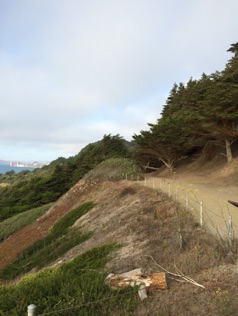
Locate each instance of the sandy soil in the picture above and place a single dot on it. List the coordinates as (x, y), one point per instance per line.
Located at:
(211, 185)
(210, 200)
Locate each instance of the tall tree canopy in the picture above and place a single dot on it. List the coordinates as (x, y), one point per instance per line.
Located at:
(196, 113)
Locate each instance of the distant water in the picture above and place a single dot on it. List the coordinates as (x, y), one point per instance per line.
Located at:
(5, 168)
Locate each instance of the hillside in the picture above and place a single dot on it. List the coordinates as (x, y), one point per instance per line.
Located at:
(65, 227)
(148, 226)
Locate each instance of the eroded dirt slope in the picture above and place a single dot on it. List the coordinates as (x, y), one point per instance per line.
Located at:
(16, 243)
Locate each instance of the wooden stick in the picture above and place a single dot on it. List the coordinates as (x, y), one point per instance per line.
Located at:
(179, 274)
(233, 203)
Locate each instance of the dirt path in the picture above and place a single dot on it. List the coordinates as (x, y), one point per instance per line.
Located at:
(212, 200)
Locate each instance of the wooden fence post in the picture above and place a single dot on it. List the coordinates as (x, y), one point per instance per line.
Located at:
(230, 231)
(169, 189)
(31, 310)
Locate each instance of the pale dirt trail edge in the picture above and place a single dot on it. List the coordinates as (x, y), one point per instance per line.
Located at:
(212, 201)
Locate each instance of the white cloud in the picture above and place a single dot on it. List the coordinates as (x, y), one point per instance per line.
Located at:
(72, 71)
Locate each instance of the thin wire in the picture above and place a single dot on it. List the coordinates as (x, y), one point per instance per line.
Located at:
(210, 211)
(104, 299)
(89, 303)
(194, 207)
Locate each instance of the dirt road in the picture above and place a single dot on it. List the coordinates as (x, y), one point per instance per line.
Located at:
(209, 203)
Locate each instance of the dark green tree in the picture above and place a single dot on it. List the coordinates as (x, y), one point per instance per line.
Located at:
(219, 109)
(166, 142)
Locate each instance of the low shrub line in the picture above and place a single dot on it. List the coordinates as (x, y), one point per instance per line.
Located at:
(70, 289)
(17, 222)
(60, 239)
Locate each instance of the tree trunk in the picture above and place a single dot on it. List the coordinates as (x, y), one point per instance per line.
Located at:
(169, 164)
(228, 151)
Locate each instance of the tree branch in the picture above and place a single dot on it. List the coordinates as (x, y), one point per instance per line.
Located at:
(179, 274)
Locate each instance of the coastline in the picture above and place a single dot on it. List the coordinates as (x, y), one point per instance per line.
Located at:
(6, 168)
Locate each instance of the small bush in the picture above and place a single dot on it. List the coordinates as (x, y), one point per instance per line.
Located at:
(127, 191)
(223, 303)
(16, 222)
(114, 169)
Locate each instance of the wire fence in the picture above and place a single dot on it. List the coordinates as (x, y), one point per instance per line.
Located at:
(32, 308)
(77, 309)
(211, 211)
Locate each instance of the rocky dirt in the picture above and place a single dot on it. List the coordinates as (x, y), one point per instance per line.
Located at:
(155, 234)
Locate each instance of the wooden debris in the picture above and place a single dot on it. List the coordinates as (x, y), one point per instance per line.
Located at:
(179, 274)
(155, 281)
(142, 292)
(158, 281)
(233, 203)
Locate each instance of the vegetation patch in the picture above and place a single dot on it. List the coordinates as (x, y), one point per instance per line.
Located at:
(76, 288)
(127, 191)
(59, 240)
(15, 223)
(115, 169)
(28, 190)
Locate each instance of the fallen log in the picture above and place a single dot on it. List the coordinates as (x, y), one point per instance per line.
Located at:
(155, 281)
(233, 203)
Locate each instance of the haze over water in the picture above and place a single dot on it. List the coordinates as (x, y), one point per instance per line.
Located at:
(5, 168)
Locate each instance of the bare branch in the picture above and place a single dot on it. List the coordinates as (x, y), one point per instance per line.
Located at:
(179, 274)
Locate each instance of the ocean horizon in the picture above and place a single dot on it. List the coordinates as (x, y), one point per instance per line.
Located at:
(5, 168)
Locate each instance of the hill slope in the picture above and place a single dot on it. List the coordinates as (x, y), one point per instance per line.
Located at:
(147, 224)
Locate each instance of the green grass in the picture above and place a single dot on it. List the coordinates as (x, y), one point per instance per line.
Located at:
(60, 239)
(16, 222)
(115, 169)
(76, 288)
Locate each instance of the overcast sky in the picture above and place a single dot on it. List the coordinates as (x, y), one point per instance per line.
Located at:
(74, 70)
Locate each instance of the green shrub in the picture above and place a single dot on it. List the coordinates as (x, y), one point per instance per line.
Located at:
(15, 223)
(69, 219)
(45, 250)
(115, 169)
(76, 288)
